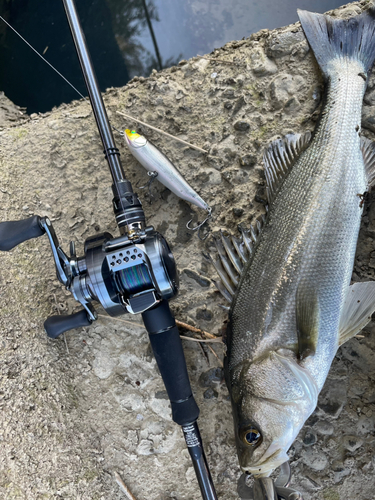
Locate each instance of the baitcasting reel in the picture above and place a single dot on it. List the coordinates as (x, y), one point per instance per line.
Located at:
(131, 273)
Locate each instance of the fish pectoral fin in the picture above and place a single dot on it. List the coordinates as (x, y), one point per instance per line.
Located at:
(368, 153)
(358, 307)
(307, 316)
(279, 158)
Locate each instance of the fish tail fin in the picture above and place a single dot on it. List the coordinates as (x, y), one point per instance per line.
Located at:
(344, 39)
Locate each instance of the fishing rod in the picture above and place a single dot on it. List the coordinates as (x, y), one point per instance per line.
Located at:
(133, 273)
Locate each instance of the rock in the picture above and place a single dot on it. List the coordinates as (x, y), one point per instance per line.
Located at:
(352, 443)
(229, 94)
(360, 355)
(103, 364)
(292, 105)
(333, 398)
(161, 395)
(211, 377)
(145, 447)
(369, 98)
(368, 117)
(324, 427)
(242, 126)
(285, 87)
(210, 394)
(365, 424)
(203, 282)
(248, 160)
(314, 459)
(284, 43)
(310, 438)
(238, 212)
(331, 494)
(204, 314)
(10, 113)
(238, 105)
(261, 64)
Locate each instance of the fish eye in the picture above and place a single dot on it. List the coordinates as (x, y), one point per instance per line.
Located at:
(251, 436)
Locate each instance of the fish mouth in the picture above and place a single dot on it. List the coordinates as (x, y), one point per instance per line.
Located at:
(267, 464)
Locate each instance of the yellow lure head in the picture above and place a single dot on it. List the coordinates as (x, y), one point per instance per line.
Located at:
(134, 140)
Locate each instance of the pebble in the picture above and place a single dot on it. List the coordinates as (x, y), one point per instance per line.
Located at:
(242, 126)
(229, 94)
(261, 64)
(285, 87)
(204, 314)
(284, 43)
(161, 395)
(333, 398)
(211, 377)
(238, 212)
(210, 393)
(352, 443)
(360, 355)
(368, 117)
(323, 427)
(203, 282)
(310, 438)
(248, 160)
(314, 459)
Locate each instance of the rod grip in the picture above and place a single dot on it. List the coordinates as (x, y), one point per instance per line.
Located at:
(12, 233)
(167, 347)
(56, 325)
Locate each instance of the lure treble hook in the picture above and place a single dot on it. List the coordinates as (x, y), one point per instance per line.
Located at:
(153, 176)
(199, 226)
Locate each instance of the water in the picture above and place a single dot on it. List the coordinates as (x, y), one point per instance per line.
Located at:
(120, 39)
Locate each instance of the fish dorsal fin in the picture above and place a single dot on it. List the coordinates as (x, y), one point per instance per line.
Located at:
(307, 316)
(229, 256)
(358, 307)
(278, 159)
(368, 153)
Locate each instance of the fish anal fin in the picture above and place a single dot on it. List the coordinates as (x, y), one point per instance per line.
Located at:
(230, 256)
(307, 316)
(368, 153)
(279, 157)
(357, 310)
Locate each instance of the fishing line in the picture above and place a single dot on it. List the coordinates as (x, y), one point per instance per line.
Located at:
(51, 66)
(40, 55)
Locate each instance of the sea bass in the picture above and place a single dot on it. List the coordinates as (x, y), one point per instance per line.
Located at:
(294, 305)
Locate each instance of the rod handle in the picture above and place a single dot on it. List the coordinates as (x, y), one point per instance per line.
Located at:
(167, 347)
(12, 233)
(56, 325)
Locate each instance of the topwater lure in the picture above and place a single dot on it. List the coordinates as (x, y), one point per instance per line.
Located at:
(153, 160)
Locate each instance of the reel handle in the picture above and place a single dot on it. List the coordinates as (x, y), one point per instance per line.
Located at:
(56, 325)
(12, 233)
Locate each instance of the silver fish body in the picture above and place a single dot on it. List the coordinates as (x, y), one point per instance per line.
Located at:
(153, 160)
(296, 282)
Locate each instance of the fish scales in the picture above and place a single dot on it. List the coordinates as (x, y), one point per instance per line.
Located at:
(310, 235)
(293, 306)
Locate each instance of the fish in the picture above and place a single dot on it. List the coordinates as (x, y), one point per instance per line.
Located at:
(153, 160)
(288, 277)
